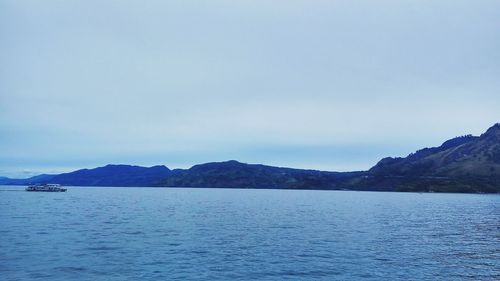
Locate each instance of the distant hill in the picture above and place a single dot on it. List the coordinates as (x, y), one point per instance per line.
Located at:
(233, 174)
(463, 164)
(43, 178)
(110, 175)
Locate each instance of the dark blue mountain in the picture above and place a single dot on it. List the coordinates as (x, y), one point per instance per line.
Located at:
(43, 178)
(110, 175)
(462, 164)
(233, 174)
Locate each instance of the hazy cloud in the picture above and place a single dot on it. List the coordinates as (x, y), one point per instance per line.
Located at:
(322, 84)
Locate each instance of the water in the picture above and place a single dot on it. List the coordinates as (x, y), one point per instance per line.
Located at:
(224, 234)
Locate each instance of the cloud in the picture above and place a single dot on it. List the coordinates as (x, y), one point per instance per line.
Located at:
(91, 82)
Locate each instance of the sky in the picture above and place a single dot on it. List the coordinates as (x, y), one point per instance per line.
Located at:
(330, 85)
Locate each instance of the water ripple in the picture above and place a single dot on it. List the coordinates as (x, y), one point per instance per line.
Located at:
(223, 234)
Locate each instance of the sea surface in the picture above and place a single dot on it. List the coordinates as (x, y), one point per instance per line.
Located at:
(103, 233)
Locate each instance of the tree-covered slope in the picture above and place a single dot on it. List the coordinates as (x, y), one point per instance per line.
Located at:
(463, 164)
(233, 174)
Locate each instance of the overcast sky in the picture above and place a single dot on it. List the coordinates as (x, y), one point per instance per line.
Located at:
(332, 85)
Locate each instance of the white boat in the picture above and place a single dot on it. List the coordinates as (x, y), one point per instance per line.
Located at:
(46, 188)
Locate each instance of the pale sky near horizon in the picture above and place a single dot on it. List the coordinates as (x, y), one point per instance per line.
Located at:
(331, 85)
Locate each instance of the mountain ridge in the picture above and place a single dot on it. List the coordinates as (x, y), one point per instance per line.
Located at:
(461, 164)
(109, 175)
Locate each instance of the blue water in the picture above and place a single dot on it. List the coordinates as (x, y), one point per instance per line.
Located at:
(235, 234)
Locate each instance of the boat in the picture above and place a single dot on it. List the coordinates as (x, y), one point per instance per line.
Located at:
(46, 188)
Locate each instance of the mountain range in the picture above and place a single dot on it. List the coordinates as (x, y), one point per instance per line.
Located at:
(462, 164)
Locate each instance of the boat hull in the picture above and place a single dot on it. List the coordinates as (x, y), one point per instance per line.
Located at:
(62, 190)
(45, 188)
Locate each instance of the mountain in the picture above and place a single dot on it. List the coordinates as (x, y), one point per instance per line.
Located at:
(36, 179)
(462, 164)
(110, 175)
(233, 174)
